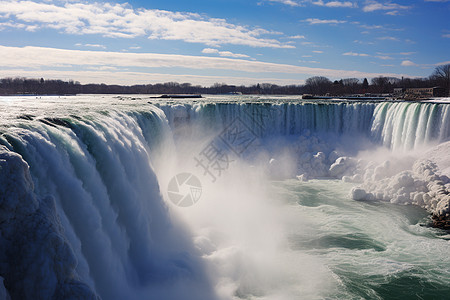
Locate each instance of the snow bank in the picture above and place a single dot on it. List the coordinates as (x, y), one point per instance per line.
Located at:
(315, 156)
(424, 184)
(36, 260)
(422, 180)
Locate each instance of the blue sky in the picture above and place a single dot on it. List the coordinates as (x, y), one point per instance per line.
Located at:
(224, 41)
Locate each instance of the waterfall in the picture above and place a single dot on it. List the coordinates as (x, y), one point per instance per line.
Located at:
(403, 125)
(85, 178)
(395, 125)
(98, 171)
(277, 118)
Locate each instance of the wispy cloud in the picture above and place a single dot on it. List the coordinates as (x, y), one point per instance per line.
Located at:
(287, 2)
(123, 21)
(408, 63)
(317, 51)
(388, 38)
(393, 13)
(224, 53)
(446, 35)
(335, 3)
(354, 54)
(91, 45)
(297, 37)
(371, 26)
(314, 21)
(384, 57)
(293, 3)
(309, 61)
(390, 7)
(31, 58)
(363, 42)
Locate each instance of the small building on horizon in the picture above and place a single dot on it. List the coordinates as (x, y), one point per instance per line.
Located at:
(419, 93)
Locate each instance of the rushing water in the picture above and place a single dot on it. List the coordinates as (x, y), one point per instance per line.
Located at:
(374, 250)
(95, 217)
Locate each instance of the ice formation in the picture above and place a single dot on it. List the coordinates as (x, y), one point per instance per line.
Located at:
(36, 260)
(417, 181)
(423, 185)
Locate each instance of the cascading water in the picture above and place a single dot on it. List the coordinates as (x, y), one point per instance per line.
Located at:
(396, 125)
(98, 169)
(93, 172)
(403, 126)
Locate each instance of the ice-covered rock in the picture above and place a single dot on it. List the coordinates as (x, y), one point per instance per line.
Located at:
(342, 166)
(302, 177)
(358, 194)
(314, 155)
(37, 261)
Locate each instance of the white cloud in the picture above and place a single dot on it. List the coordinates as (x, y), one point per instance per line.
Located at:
(313, 21)
(4, 25)
(442, 63)
(297, 37)
(375, 5)
(393, 13)
(223, 53)
(354, 54)
(446, 35)
(388, 38)
(317, 51)
(335, 3)
(384, 57)
(286, 2)
(123, 21)
(40, 59)
(363, 42)
(90, 45)
(371, 26)
(298, 3)
(408, 63)
(309, 61)
(210, 51)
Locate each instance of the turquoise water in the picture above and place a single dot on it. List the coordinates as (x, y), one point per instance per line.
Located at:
(375, 250)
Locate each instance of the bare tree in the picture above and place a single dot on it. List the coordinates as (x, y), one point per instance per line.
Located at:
(384, 84)
(318, 85)
(351, 85)
(442, 75)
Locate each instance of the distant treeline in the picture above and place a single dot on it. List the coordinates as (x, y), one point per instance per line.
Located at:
(9, 86)
(317, 85)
